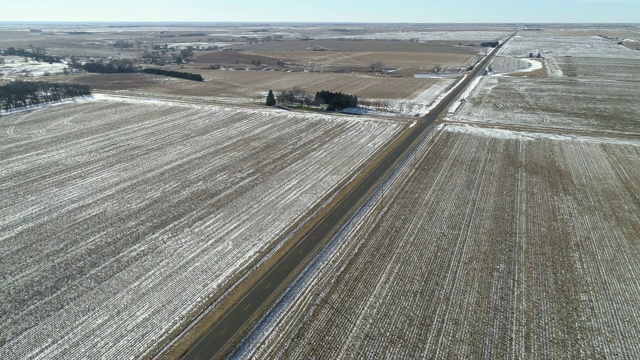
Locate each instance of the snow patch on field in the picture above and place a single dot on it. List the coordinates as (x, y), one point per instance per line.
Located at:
(532, 136)
(15, 66)
(476, 251)
(361, 110)
(339, 249)
(560, 46)
(465, 94)
(44, 106)
(421, 104)
(430, 35)
(553, 69)
(533, 65)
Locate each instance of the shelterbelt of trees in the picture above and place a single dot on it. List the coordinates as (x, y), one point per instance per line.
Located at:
(128, 66)
(22, 94)
(176, 74)
(37, 55)
(336, 100)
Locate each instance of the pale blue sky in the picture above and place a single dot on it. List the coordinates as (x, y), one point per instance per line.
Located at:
(417, 11)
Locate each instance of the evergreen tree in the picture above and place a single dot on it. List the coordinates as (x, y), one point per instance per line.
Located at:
(271, 100)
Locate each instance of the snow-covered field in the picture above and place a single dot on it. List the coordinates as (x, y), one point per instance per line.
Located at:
(603, 104)
(488, 244)
(597, 91)
(418, 105)
(119, 218)
(364, 86)
(16, 66)
(430, 35)
(576, 46)
(508, 64)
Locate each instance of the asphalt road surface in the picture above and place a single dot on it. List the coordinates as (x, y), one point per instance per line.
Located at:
(212, 343)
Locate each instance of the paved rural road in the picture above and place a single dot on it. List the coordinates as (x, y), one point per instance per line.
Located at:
(210, 345)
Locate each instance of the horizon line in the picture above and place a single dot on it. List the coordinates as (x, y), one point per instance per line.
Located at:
(267, 23)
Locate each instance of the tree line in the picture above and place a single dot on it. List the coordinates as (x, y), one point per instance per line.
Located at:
(298, 96)
(176, 74)
(22, 94)
(490, 44)
(336, 100)
(37, 55)
(111, 67)
(128, 66)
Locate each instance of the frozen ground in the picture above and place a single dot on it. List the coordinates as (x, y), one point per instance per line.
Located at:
(120, 217)
(599, 91)
(17, 67)
(490, 242)
(577, 46)
(487, 243)
(508, 65)
(421, 103)
(431, 35)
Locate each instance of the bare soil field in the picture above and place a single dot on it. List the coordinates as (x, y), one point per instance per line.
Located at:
(380, 94)
(251, 87)
(340, 56)
(365, 86)
(490, 243)
(121, 218)
(431, 46)
(360, 61)
(233, 58)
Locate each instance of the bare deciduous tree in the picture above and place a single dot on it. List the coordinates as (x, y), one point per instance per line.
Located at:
(376, 66)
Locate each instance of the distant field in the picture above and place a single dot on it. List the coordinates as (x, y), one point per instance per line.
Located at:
(490, 243)
(364, 86)
(121, 217)
(577, 46)
(596, 91)
(349, 59)
(407, 57)
(432, 46)
(252, 86)
(451, 35)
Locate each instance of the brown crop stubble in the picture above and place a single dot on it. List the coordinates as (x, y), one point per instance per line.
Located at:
(493, 247)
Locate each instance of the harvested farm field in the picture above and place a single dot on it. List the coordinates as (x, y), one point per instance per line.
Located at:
(511, 231)
(591, 85)
(404, 96)
(327, 59)
(489, 243)
(254, 85)
(559, 104)
(474, 192)
(121, 218)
